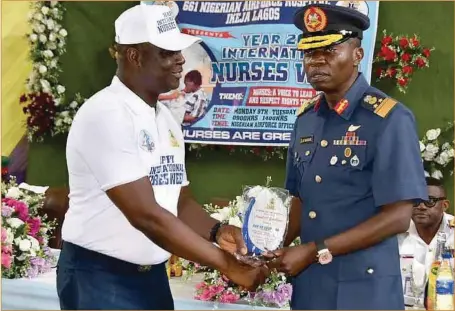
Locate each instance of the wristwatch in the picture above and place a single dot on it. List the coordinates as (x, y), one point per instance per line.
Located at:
(324, 255)
(214, 231)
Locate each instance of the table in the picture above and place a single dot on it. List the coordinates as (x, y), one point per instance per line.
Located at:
(40, 293)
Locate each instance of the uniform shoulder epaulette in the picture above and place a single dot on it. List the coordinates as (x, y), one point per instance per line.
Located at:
(380, 105)
(452, 223)
(307, 105)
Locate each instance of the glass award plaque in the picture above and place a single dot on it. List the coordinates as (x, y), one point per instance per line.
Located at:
(265, 220)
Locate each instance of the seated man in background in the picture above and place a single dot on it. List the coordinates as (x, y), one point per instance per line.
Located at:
(418, 244)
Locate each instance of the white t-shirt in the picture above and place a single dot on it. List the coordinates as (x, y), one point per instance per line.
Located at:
(116, 138)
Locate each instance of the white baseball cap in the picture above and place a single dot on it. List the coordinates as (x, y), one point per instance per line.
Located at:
(154, 24)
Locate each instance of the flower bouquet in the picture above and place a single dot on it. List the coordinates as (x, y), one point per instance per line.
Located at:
(25, 233)
(437, 155)
(190, 268)
(276, 292)
(398, 58)
(217, 287)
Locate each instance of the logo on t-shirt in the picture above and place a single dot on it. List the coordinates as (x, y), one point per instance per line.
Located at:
(174, 142)
(167, 172)
(146, 142)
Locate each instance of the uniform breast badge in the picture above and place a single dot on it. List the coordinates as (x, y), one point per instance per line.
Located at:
(174, 142)
(353, 128)
(350, 138)
(355, 161)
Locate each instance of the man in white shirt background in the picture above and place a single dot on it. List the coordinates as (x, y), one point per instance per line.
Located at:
(418, 245)
(130, 207)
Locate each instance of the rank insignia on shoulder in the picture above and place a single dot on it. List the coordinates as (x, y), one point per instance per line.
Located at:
(302, 108)
(372, 100)
(380, 106)
(452, 223)
(307, 105)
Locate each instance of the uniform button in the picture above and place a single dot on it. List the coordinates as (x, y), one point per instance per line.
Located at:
(324, 143)
(312, 214)
(370, 271)
(318, 178)
(307, 153)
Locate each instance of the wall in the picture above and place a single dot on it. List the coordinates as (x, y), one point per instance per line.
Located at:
(88, 67)
(15, 69)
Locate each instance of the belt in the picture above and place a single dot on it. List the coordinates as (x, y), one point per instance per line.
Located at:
(79, 257)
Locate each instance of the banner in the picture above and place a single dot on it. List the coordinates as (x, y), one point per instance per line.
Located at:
(243, 84)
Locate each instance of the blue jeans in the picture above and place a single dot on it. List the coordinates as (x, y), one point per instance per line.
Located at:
(89, 280)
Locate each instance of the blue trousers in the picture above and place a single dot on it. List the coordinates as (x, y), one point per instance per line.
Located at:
(88, 280)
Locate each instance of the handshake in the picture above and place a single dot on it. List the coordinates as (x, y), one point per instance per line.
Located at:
(252, 273)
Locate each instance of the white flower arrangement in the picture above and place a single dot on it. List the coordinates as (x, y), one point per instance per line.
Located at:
(437, 154)
(51, 114)
(230, 214)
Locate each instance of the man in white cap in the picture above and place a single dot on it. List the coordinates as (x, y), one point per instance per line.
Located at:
(128, 183)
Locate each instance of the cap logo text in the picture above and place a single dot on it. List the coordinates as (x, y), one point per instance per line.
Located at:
(167, 23)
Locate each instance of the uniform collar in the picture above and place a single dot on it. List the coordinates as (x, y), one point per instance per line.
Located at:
(346, 106)
(134, 102)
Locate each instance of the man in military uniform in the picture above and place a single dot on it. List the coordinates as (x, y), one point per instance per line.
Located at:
(355, 171)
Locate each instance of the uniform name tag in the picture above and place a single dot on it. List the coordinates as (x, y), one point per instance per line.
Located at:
(306, 139)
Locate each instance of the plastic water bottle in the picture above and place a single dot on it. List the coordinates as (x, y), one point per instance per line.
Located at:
(437, 260)
(444, 284)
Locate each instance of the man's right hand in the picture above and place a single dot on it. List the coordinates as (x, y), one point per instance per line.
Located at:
(147, 216)
(245, 275)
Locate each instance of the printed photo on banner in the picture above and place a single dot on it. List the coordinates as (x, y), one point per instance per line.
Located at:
(244, 83)
(190, 101)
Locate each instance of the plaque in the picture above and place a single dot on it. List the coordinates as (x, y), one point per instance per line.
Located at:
(265, 219)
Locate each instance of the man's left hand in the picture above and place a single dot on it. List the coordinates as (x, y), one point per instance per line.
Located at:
(292, 260)
(230, 239)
